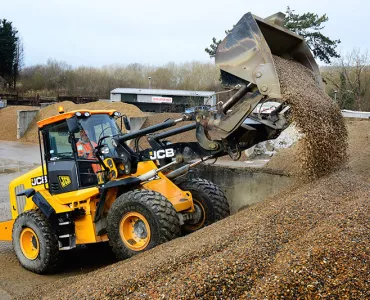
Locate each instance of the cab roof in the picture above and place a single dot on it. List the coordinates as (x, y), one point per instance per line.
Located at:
(70, 114)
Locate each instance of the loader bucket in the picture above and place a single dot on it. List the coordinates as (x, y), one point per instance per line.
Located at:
(247, 51)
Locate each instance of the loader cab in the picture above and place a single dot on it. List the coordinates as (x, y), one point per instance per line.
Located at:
(69, 158)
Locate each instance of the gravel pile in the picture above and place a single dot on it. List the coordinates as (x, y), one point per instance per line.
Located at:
(324, 146)
(358, 150)
(307, 242)
(8, 117)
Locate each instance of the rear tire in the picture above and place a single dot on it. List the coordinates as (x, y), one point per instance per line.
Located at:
(140, 220)
(34, 242)
(208, 199)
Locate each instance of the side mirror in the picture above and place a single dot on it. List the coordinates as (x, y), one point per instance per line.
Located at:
(72, 124)
(126, 122)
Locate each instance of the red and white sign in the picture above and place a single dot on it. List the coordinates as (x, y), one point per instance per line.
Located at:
(162, 99)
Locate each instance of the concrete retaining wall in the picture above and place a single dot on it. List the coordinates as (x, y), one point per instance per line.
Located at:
(355, 114)
(24, 119)
(136, 123)
(243, 186)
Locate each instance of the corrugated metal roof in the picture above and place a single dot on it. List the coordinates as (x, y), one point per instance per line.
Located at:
(162, 92)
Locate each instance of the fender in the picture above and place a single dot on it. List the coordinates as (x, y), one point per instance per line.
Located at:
(127, 183)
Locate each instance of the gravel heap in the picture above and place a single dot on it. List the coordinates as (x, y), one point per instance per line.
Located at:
(308, 242)
(358, 150)
(8, 117)
(324, 146)
(359, 146)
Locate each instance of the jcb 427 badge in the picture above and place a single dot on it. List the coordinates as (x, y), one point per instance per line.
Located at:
(160, 154)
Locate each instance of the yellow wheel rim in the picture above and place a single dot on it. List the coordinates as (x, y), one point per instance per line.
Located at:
(30, 244)
(135, 231)
(198, 225)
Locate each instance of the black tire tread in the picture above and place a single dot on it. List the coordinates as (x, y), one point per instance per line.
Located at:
(50, 261)
(165, 215)
(215, 194)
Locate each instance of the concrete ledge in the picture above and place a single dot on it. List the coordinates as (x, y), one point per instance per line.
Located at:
(24, 119)
(244, 186)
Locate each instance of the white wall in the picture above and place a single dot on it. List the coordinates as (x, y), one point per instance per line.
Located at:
(115, 97)
(355, 114)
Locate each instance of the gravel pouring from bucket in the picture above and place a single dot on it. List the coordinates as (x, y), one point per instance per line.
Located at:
(245, 58)
(247, 51)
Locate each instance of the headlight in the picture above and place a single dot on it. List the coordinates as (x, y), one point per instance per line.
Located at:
(87, 114)
(78, 114)
(117, 114)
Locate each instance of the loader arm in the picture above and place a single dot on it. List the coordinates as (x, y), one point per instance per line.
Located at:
(245, 58)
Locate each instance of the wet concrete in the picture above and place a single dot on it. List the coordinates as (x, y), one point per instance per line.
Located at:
(21, 152)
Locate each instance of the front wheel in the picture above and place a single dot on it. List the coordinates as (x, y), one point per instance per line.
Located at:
(210, 203)
(34, 242)
(140, 220)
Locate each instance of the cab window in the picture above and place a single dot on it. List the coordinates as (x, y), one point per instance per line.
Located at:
(59, 145)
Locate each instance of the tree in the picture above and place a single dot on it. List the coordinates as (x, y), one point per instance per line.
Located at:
(18, 61)
(307, 25)
(349, 77)
(11, 52)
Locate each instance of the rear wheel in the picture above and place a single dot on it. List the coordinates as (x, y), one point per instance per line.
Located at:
(210, 203)
(34, 242)
(140, 220)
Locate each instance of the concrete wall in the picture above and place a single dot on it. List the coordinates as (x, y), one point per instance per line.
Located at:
(243, 186)
(136, 123)
(24, 119)
(355, 114)
(115, 97)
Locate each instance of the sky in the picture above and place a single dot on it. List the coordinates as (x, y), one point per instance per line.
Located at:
(104, 32)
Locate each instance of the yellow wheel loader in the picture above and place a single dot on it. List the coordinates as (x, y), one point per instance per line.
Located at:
(92, 186)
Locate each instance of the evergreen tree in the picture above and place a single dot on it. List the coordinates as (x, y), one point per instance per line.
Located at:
(9, 64)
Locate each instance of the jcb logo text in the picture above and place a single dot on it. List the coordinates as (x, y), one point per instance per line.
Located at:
(163, 153)
(39, 180)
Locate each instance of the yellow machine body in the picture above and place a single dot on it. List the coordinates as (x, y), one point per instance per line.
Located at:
(86, 199)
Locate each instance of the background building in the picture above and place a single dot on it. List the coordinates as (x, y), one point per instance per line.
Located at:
(153, 100)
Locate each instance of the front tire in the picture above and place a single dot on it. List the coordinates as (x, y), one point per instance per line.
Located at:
(140, 220)
(209, 201)
(34, 242)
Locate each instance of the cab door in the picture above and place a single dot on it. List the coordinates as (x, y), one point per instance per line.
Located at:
(60, 159)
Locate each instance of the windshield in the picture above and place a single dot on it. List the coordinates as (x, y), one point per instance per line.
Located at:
(97, 126)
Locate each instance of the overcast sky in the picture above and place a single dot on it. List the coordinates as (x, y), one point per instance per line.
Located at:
(96, 33)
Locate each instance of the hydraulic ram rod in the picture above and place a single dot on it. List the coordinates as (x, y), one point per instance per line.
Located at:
(175, 131)
(236, 97)
(150, 129)
(184, 169)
